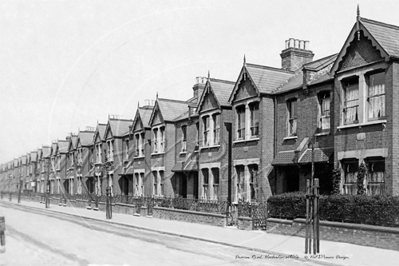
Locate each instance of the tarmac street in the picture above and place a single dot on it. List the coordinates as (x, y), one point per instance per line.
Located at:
(36, 236)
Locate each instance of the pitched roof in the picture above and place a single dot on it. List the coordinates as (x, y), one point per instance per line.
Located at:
(284, 158)
(119, 127)
(145, 114)
(100, 130)
(320, 63)
(86, 137)
(296, 81)
(63, 146)
(54, 147)
(385, 34)
(320, 155)
(170, 109)
(24, 159)
(221, 89)
(33, 156)
(74, 140)
(266, 78)
(46, 151)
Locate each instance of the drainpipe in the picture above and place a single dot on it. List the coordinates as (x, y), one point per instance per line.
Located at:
(229, 161)
(275, 140)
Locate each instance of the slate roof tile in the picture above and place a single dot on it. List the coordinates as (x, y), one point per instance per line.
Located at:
(386, 35)
(266, 78)
(86, 138)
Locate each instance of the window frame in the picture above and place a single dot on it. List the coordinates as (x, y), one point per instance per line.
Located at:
(350, 187)
(241, 121)
(368, 76)
(292, 117)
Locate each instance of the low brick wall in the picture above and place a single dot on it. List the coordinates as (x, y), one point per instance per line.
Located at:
(359, 234)
(189, 216)
(123, 208)
(244, 223)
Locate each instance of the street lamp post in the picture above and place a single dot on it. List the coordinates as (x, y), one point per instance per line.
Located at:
(108, 205)
(312, 210)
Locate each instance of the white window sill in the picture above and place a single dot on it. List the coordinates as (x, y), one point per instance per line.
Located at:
(359, 125)
(158, 153)
(139, 157)
(183, 153)
(291, 137)
(209, 147)
(245, 140)
(322, 134)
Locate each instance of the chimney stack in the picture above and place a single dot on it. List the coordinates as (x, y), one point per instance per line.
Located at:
(295, 54)
(199, 86)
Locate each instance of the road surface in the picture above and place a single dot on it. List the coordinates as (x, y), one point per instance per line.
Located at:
(37, 237)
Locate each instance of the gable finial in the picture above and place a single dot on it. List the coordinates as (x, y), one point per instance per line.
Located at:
(157, 96)
(209, 75)
(138, 104)
(245, 61)
(357, 22)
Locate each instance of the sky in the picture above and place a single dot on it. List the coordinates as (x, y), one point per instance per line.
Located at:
(69, 64)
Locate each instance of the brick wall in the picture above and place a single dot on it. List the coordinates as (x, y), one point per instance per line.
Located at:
(365, 235)
(189, 216)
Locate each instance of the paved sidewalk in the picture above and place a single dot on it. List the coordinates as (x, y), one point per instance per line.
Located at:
(254, 241)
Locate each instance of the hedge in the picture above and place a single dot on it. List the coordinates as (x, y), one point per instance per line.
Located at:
(362, 209)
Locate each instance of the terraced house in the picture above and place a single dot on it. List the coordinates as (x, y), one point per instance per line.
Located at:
(114, 136)
(84, 161)
(337, 112)
(366, 94)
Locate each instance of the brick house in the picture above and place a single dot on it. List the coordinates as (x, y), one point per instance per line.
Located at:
(302, 117)
(140, 156)
(185, 179)
(253, 130)
(366, 91)
(71, 164)
(214, 112)
(115, 132)
(62, 185)
(99, 154)
(32, 170)
(24, 173)
(85, 161)
(163, 141)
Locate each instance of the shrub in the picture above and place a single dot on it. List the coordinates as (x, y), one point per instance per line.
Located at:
(362, 209)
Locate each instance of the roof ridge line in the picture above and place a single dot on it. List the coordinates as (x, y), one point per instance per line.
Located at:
(172, 100)
(272, 68)
(379, 22)
(223, 81)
